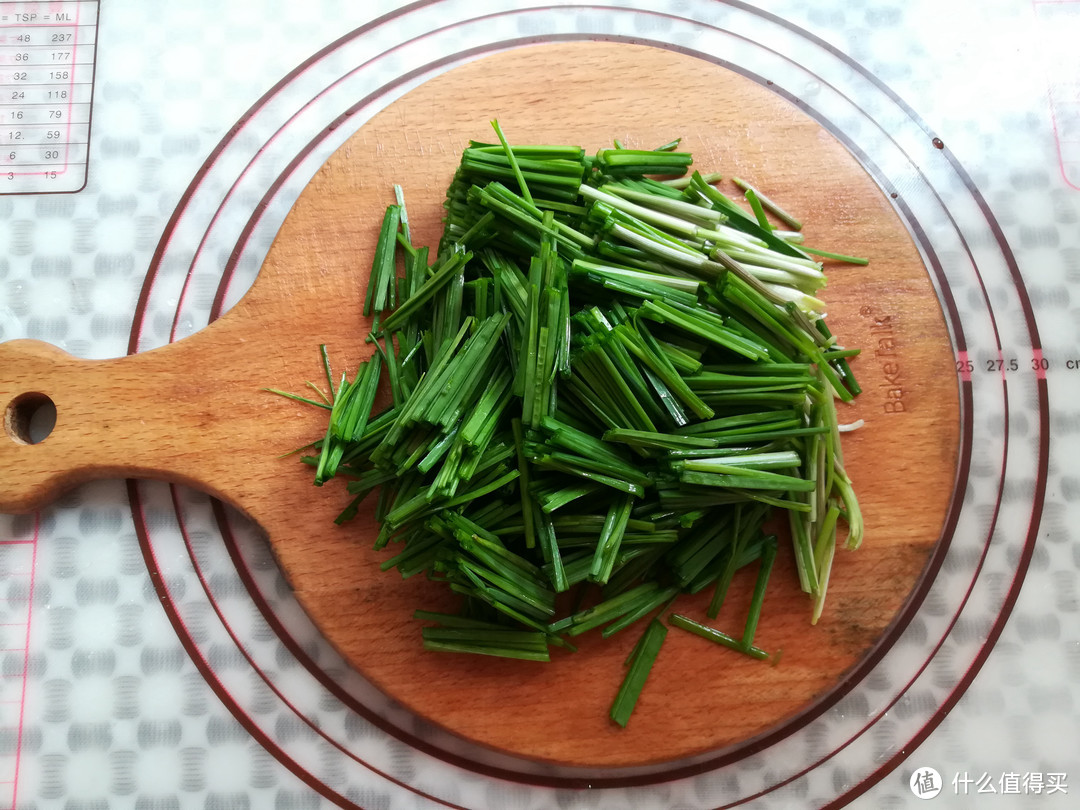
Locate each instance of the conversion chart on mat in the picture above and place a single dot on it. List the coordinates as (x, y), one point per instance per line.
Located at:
(46, 86)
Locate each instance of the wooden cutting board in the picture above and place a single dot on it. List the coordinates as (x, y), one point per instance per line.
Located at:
(193, 412)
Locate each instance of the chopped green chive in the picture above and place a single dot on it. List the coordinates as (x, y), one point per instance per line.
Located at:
(603, 385)
(641, 662)
(299, 398)
(768, 204)
(716, 636)
(839, 257)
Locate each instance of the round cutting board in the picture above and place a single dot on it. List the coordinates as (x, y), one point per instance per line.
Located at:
(193, 412)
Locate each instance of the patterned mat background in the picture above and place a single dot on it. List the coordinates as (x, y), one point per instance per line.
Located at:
(102, 706)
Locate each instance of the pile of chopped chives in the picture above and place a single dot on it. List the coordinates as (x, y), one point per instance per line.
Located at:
(601, 383)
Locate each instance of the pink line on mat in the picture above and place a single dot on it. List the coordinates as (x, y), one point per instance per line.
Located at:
(71, 94)
(26, 668)
(1057, 109)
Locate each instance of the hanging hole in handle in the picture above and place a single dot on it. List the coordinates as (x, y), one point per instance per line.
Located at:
(30, 418)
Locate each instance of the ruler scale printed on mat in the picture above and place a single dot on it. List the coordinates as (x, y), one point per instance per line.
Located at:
(47, 55)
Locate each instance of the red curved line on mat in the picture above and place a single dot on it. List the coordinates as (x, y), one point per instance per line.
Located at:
(1044, 441)
(992, 637)
(845, 799)
(297, 651)
(222, 290)
(1043, 461)
(251, 662)
(170, 227)
(140, 315)
(741, 751)
(204, 668)
(969, 184)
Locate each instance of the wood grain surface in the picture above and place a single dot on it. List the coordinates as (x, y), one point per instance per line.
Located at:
(193, 412)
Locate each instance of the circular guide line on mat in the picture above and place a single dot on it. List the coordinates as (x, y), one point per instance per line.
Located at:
(994, 227)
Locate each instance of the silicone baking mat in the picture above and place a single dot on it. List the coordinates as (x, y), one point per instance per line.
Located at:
(151, 655)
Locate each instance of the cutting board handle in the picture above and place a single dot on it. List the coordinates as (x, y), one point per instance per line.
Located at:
(113, 418)
(194, 412)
